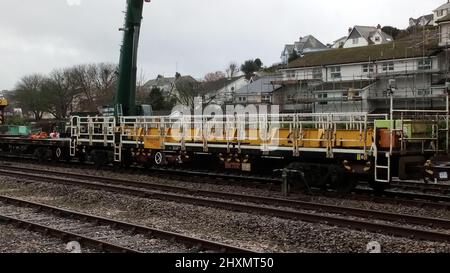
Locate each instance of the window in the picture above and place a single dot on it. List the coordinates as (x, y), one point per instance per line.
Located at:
(265, 98)
(355, 41)
(317, 73)
(424, 64)
(290, 98)
(423, 92)
(377, 39)
(321, 98)
(388, 67)
(336, 72)
(242, 99)
(291, 74)
(368, 68)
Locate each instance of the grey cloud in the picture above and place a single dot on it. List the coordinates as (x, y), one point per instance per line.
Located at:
(200, 35)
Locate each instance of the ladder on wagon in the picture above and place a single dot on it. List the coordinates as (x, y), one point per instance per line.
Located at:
(403, 123)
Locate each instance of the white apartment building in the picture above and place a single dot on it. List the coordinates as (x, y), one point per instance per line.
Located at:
(441, 11)
(358, 79)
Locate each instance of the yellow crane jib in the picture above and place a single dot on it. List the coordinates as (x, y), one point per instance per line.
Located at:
(3, 102)
(3, 105)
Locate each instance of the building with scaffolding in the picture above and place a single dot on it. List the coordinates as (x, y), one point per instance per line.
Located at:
(414, 69)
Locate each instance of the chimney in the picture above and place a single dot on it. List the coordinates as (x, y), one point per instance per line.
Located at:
(350, 28)
(379, 26)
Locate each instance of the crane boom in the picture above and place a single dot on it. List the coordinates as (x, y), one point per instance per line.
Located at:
(125, 98)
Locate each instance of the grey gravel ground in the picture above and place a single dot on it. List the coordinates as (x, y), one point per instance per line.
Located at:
(16, 240)
(92, 230)
(258, 233)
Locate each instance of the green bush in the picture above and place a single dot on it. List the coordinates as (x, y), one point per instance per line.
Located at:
(16, 120)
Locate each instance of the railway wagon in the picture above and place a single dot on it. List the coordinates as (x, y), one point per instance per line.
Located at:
(334, 150)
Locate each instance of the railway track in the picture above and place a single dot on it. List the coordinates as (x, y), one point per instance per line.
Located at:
(430, 188)
(99, 232)
(397, 197)
(354, 218)
(202, 175)
(405, 193)
(362, 193)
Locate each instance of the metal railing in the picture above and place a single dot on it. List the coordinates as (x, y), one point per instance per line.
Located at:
(260, 132)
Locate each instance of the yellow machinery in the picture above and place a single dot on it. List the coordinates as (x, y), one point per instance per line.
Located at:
(3, 105)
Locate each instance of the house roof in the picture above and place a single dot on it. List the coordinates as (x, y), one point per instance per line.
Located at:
(444, 6)
(208, 87)
(411, 45)
(262, 85)
(308, 42)
(428, 18)
(161, 81)
(367, 32)
(288, 48)
(444, 19)
(342, 38)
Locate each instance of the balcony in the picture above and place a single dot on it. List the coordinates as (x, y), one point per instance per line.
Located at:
(431, 92)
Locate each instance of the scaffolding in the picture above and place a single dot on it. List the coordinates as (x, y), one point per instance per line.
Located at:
(423, 82)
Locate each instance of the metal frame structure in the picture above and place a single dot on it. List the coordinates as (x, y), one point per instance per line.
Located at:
(438, 120)
(195, 132)
(288, 131)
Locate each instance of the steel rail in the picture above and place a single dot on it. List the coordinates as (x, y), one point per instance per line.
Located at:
(273, 201)
(66, 235)
(249, 198)
(198, 244)
(439, 201)
(422, 187)
(286, 213)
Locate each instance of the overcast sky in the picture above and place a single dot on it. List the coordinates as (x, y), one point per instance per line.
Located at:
(197, 36)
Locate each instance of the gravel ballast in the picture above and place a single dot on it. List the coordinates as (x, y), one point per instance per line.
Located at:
(258, 233)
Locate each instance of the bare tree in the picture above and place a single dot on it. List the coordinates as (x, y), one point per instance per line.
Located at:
(142, 78)
(214, 76)
(141, 91)
(84, 77)
(105, 83)
(232, 69)
(60, 91)
(96, 83)
(28, 95)
(187, 91)
(81, 88)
